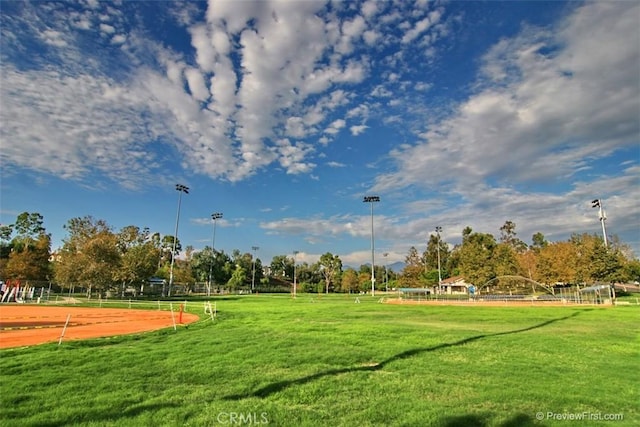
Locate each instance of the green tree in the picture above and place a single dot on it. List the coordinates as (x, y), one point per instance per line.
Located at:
(476, 258)
(413, 270)
(215, 263)
(632, 271)
(330, 266)
(89, 257)
(282, 267)
(538, 241)
(238, 278)
(508, 236)
(505, 263)
(349, 282)
(26, 256)
(28, 228)
(557, 263)
(430, 255)
(599, 262)
(139, 256)
(30, 262)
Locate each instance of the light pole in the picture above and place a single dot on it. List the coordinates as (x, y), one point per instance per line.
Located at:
(295, 284)
(597, 203)
(372, 200)
(438, 230)
(386, 275)
(253, 276)
(181, 189)
(214, 217)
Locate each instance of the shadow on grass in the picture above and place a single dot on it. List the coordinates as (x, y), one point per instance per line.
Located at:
(108, 417)
(281, 385)
(482, 420)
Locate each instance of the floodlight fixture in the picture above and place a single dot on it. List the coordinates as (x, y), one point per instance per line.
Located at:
(597, 203)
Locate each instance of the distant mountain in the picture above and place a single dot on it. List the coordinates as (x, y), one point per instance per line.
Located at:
(396, 266)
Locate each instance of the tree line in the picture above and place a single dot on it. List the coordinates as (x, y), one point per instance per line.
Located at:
(481, 258)
(96, 258)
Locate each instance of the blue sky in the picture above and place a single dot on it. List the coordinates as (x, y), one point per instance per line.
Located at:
(282, 115)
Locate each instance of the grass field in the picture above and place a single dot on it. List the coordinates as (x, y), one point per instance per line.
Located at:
(270, 360)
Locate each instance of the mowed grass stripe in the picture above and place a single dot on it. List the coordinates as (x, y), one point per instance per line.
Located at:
(335, 362)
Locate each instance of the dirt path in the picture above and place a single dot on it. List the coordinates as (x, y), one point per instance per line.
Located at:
(23, 325)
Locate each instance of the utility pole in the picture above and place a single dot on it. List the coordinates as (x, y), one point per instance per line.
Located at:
(214, 217)
(253, 277)
(295, 284)
(438, 230)
(372, 200)
(181, 189)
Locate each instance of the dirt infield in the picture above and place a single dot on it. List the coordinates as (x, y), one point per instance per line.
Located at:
(23, 325)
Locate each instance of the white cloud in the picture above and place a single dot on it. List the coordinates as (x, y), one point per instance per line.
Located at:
(550, 112)
(371, 37)
(369, 9)
(291, 157)
(118, 39)
(54, 38)
(196, 84)
(107, 29)
(200, 40)
(422, 86)
(335, 127)
(358, 129)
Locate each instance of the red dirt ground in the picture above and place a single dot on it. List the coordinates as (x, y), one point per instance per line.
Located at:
(23, 325)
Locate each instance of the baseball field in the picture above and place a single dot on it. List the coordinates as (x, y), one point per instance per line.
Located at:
(320, 361)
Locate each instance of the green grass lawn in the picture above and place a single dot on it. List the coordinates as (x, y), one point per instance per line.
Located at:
(270, 360)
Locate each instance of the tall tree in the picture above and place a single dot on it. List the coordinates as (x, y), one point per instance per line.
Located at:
(28, 227)
(90, 256)
(30, 262)
(476, 258)
(238, 278)
(430, 255)
(330, 267)
(139, 256)
(349, 281)
(557, 263)
(282, 267)
(26, 256)
(413, 269)
(508, 236)
(505, 264)
(215, 263)
(538, 241)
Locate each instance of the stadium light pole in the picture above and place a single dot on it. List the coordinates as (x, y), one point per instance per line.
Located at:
(438, 230)
(386, 275)
(597, 203)
(181, 189)
(295, 284)
(371, 200)
(214, 217)
(253, 276)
